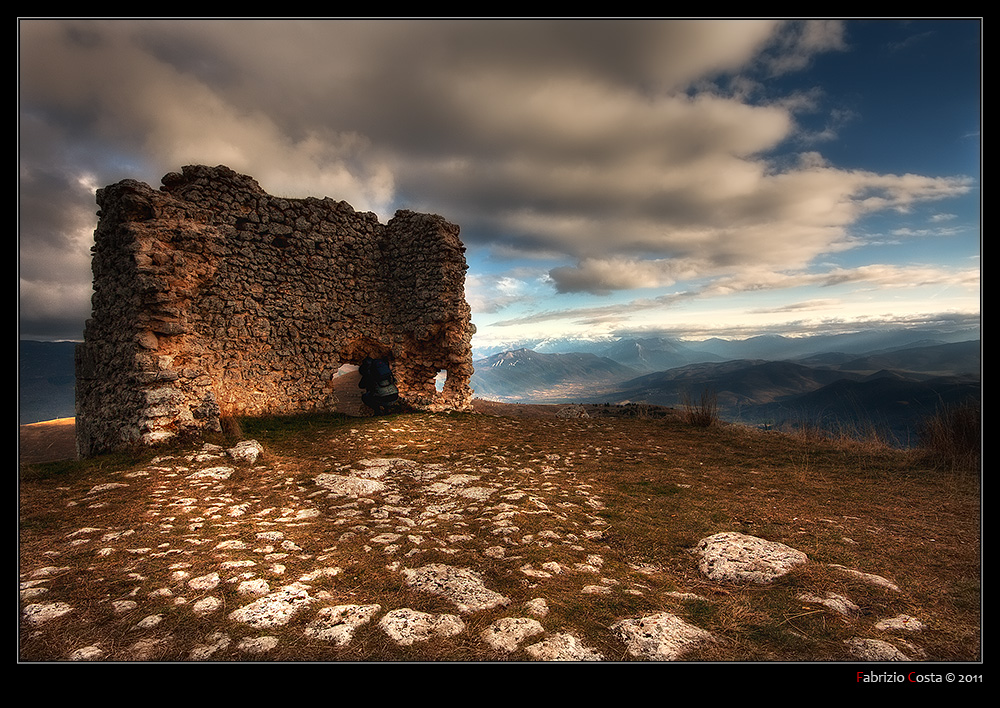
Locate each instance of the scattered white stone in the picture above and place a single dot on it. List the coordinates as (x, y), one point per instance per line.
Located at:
(145, 649)
(215, 642)
(275, 609)
(537, 607)
(246, 451)
(232, 565)
(462, 586)
(874, 650)
(868, 577)
(256, 587)
(683, 595)
(338, 624)
(660, 637)
(349, 486)
(736, 557)
(533, 572)
(214, 473)
(38, 613)
(478, 493)
(148, 622)
(562, 647)
(406, 626)
(902, 622)
(205, 582)
(320, 573)
(837, 603)
(384, 538)
(91, 653)
(507, 633)
(383, 465)
(83, 531)
(257, 645)
(49, 571)
(206, 605)
(106, 487)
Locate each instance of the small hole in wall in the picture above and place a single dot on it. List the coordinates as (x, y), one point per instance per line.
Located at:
(440, 379)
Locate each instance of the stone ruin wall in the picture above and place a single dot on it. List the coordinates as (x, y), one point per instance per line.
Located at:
(214, 299)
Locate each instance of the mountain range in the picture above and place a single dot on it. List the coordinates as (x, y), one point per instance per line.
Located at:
(891, 388)
(891, 378)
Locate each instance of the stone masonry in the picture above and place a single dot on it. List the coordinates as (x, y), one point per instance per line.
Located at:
(214, 299)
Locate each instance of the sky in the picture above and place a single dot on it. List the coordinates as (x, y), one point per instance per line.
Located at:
(648, 177)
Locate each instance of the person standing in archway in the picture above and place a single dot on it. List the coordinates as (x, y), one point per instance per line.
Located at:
(380, 385)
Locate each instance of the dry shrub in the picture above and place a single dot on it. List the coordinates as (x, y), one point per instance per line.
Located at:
(954, 435)
(704, 412)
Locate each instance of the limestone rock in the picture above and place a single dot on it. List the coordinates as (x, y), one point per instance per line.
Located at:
(274, 610)
(660, 637)
(462, 586)
(736, 557)
(406, 626)
(508, 632)
(246, 451)
(338, 624)
(874, 650)
(563, 647)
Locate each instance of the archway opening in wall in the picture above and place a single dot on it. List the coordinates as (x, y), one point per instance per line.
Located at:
(440, 380)
(345, 388)
(346, 370)
(357, 350)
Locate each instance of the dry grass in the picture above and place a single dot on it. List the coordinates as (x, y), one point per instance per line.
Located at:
(953, 437)
(703, 412)
(654, 487)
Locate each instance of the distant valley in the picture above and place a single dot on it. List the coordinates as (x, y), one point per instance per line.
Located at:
(890, 388)
(888, 379)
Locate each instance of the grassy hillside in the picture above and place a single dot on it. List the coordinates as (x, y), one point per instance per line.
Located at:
(578, 524)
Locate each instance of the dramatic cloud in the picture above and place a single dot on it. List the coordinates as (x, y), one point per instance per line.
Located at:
(621, 154)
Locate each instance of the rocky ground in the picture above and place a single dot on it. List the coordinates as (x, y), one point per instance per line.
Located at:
(380, 540)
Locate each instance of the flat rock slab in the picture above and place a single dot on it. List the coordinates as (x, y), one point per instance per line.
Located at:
(462, 586)
(736, 557)
(338, 624)
(274, 610)
(875, 650)
(660, 637)
(508, 632)
(406, 626)
(563, 647)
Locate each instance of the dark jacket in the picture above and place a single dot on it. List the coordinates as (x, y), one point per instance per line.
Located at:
(377, 379)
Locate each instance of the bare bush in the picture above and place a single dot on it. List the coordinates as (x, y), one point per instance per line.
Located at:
(953, 435)
(704, 412)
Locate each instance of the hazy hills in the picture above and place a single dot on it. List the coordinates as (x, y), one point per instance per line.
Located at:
(528, 376)
(891, 387)
(891, 378)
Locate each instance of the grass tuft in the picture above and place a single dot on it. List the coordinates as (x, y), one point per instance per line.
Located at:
(953, 436)
(704, 412)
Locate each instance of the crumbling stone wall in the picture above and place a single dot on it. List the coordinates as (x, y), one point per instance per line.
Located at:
(213, 298)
